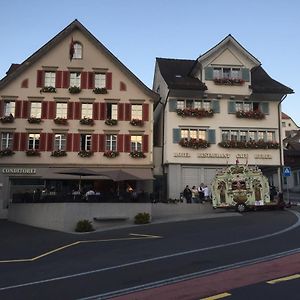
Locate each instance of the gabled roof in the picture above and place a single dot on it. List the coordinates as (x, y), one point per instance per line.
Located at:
(176, 73)
(15, 70)
(284, 116)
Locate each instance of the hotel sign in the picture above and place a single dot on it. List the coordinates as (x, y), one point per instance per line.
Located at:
(18, 171)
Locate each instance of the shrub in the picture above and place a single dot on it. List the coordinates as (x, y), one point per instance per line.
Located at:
(142, 218)
(84, 226)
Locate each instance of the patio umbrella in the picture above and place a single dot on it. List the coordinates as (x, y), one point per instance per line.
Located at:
(78, 172)
(119, 175)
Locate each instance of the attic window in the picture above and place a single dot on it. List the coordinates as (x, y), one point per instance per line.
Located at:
(178, 76)
(77, 50)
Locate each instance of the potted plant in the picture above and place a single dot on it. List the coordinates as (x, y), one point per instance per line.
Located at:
(6, 152)
(100, 90)
(111, 122)
(7, 119)
(194, 112)
(86, 121)
(85, 153)
(60, 121)
(34, 120)
(48, 89)
(193, 143)
(59, 153)
(74, 90)
(111, 154)
(137, 122)
(137, 154)
(251, 114)
(33, 152)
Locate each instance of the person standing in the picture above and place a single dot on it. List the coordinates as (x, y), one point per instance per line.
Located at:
(187, 194)
(206, 193)
(201, 192)
(194, 194)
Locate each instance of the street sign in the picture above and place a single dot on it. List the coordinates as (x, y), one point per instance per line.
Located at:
(287, 171)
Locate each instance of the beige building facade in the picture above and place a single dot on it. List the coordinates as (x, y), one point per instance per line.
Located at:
(72, 104)
(217, 110)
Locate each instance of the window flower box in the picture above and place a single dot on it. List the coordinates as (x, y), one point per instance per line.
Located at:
(86, 121)
(48, 89)
(60, 121)
(59, 153)
(137, 122)
(6, 152)
(249, 144)
(85, 153)
(111, 122)
(195, 112)
(100, 90)
(111, 154)
(7, 119)
(251, 114)
(137, 154)
(34, 120)
(229, 81)
(193, 143)
(74, 90)
(33, 152)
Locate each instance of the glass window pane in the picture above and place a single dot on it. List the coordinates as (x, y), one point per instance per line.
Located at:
(75, 79)
(189, 103)
(9, 108)
(77, 50)
(184, 133)
(87, 110)
(137, 111)
(100, 80)
(233, 135)
(35, 109)
(261, 136)
(136, 143)
(61, 110)
(180, 104)
(198, 104)
(225, 135)
(60, 141)
(243, 136)
(217, 73)
(206, 104)
(50, 79)
(6, 140)
(202, 134)
(238, 106)
(193, 133)
(251, 135)
(33, 141)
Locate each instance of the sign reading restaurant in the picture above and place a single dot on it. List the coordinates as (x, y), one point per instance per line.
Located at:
(18, 171)
(222, 155)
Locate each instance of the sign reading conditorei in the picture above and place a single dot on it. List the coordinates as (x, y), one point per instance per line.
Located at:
(18, 171)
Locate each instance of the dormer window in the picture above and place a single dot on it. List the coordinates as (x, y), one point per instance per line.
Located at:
(77, 50)
(227, 73)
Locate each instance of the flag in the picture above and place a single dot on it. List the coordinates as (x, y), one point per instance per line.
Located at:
(237, 161)
(71, 50)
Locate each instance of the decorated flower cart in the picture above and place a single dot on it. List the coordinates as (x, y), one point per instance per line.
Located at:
(241, 187)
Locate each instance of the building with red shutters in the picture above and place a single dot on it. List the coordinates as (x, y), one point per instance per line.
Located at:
(73, 104)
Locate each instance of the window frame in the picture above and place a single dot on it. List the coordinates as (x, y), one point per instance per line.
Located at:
(61, 110)
(136, 143)
(6, 141)
(112, 111)
(195, 104)
(9, 108)
(35, 109)
(111, 142)
(226, 72)
(87, 110)
(60, 142)
(100, 82)
(201, 133)
(137, 111)
(259, 135)
(33, 141)
(78, 50)
(85, 142)
(75, 79)
(49, 81)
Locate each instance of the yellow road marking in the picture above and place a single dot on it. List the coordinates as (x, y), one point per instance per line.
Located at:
(284, 279)
(135, 237)
(215, 297)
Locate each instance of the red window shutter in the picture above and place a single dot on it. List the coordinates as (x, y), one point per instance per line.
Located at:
(25, 109)
(58, 79)
(77, 113)
(120, 143)
(16, 139)
(145, 112)
(96, 111)
(127, 143)
(1, 108)
(102, 111)
(42, 146)
(24, 83)
(121, 111)
(91, 80)
(69, 142)
(44, 113)
(83, 78)
(127, 111)
(95, 138)
(145, 144)
(40, 78)
(76, 142)
(109, 80)
(123, 86)
(70, 110)
(66, 80)
(51, 110)
(101, 142)
(18, 110)
(23, 141)
(50, 141)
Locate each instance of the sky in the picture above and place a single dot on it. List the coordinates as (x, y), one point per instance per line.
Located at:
(138, 31)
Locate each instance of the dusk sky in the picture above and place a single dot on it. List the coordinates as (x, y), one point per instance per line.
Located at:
(137, 32)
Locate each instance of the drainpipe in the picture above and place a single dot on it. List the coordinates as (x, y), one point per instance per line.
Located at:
(280, 147)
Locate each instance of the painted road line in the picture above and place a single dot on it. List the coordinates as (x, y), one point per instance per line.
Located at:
(287, 278)
(135, 237)
(215, 297)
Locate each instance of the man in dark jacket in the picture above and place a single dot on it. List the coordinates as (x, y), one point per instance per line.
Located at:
(187, 193)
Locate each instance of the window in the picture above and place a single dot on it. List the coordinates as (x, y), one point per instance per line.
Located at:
(85, 142)
(225, 135)
(33, 141)
(245, 135)
(35, 109)
(227, 73)
(87, 110)
(136, 143)
(247, 106)
(9, 108)
(60, 141)
(198, 104)
(180, 104)
(234, 135)
(61, 110)
(270, 136)
(77, 50)
(251, 135)
(49, 79)
(137, 111)
(6, 140)
(283, 124)
(112, 111)
(100, 80)
(261, 135)
(75, 79)
(111, 142)
(198, 134)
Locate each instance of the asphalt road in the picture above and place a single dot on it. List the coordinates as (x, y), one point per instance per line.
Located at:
(41, 264)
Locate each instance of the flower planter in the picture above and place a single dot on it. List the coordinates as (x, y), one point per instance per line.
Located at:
(6, 152)
(193, 143)
(87, 121)
(84, 153)
(251, 114)
(74, 90)
(33, 152)
(100, 91)
(137, 122)
(111, 122)
(7, 119)
(137, 154)
(59, 153)
(195, 112)
(33, 120)
(229, 81)
(48, 89)
(249, 145)
(111, 154)
(60, 121)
